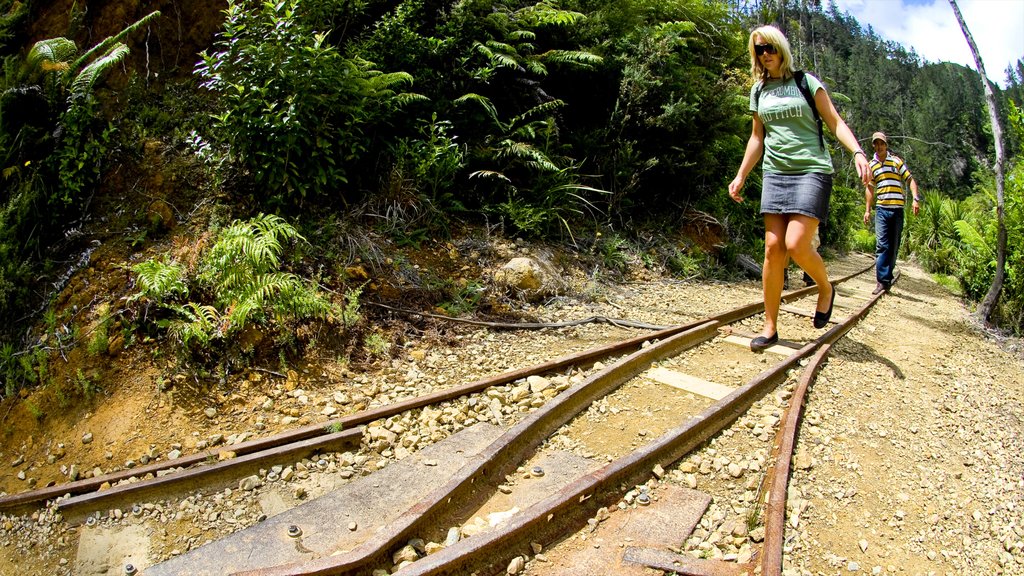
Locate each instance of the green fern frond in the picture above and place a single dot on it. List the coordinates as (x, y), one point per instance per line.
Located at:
(107, 43)
(970, 236)
(522, 35)
(490, 174)
(391, 80)
(51, 52)
(159, 280)
(249, 248)
(536, 67)
(539, 110)
(482, 101)
(483, 49)
(200, 324)
(577, 57)
(300, 301)
(545, 14)
(84, 81)
(525, 152)
(496, 47)
(405, 98)
(500, 60)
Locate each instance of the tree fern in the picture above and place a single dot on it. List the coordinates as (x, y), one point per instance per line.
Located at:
(84, 81)
(108, 43)
(53, 58)
(52, 54)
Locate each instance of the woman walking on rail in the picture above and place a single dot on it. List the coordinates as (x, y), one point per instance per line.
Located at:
(789, 107)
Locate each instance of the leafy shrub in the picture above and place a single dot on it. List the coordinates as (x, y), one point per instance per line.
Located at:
(687, 265)
(296, 113)
(845, 206)
(463, 299)
(863, 240)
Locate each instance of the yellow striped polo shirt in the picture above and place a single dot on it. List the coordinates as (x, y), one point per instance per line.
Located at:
(889, 177)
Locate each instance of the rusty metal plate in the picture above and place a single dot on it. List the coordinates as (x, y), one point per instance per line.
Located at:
(666, 523)
(678, 564)
(557, 469)
(322, 524)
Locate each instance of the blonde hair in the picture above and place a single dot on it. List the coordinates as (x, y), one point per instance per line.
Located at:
(775, 37)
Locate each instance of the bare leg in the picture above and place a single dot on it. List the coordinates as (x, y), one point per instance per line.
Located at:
(799, 234)
(773, 274)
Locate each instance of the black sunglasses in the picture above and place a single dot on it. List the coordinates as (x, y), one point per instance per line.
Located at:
(762, 48)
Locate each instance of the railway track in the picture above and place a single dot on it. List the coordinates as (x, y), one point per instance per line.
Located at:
(666, 377)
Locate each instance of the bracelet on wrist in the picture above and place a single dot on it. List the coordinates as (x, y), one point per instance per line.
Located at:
(859, 151)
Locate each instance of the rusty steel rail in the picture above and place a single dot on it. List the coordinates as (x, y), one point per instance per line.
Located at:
(263, 445)
(776, 478)
(79, 506)
(778, 473)
(267, 445)
(479, 478)
(581, 499)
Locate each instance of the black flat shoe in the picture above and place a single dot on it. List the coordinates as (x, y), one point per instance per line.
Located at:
(821, 318)
(760, 343)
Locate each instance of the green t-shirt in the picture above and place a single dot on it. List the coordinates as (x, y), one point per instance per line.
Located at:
(792, 145)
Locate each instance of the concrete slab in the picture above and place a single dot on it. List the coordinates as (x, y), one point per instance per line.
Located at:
(665, 524)
(689, 383)
(108, 551)
(370, 501)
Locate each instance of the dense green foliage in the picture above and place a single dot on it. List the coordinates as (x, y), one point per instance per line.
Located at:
(594, 122)
(297, 114)
(55, 146)
(958, 237)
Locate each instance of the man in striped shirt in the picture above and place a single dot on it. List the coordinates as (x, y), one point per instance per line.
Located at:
(889, 182)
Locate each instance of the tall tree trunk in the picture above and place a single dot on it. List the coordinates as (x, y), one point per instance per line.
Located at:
(988, 305)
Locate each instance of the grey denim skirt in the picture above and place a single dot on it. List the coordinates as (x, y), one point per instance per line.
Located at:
(806, 194)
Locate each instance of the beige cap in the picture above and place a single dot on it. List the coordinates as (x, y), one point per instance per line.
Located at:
(879, 136)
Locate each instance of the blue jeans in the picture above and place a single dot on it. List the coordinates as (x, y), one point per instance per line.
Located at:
(888, 230)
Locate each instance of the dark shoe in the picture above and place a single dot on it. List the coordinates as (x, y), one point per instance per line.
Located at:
(760, 343)
(821, 318)
(879, 288)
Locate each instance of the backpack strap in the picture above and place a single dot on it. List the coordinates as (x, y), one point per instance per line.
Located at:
(801, 83)
(805, 89)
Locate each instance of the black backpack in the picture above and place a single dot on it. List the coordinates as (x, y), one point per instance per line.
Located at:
(805, 89)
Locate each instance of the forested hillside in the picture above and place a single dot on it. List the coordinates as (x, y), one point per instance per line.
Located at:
(250, 165)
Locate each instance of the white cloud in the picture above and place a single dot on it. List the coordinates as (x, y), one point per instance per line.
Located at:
(931, 29)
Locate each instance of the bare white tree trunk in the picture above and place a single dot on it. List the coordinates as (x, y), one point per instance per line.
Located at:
(988, 305)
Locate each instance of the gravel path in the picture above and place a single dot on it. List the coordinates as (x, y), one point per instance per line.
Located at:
(909, 458)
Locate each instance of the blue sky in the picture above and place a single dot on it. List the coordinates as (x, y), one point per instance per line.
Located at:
(931, 29)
